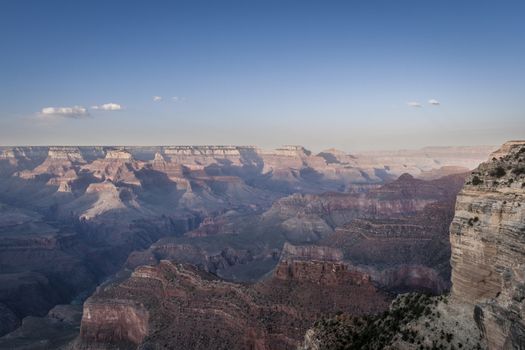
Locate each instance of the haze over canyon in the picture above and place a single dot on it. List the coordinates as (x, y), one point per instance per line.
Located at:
(212, 247)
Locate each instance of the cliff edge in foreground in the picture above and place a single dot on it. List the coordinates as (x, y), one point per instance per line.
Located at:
(487, 237)
(486, 308)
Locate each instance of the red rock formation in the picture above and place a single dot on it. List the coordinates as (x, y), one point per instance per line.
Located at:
(117, 166)
(180, 307)
(118, 322)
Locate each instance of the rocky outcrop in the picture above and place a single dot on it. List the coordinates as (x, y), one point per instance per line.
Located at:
(397, 233)
(181, 307)
(117, 322)
(310, 252)
(317, 265)
(487, 303)
(119, 154)
(60, 168)
(406, 195)
(118, 166)
(215, 261)
(173, 170)
(413, 321)
(488, 246)
(320, 272)
(104, 197)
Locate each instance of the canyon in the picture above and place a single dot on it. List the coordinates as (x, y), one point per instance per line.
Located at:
(485, 307)
(262, 175)
(276, 228)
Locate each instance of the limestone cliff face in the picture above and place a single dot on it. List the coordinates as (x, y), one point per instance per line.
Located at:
(488, 246)
(61, 166)
(311, 252)
(317, 265)
(118, 321)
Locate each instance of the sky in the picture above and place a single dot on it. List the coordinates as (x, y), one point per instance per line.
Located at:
(353, 75)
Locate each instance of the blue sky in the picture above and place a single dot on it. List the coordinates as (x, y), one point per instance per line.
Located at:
(346, 74)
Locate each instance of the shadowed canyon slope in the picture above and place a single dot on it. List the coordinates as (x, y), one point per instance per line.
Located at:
(397, 233)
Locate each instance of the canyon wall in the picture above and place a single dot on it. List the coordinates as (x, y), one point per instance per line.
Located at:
(486, 306)
(181, 307)
(488, 246)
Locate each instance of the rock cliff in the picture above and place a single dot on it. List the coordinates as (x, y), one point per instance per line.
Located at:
(486, 307)
(488, 246)
(181, 307)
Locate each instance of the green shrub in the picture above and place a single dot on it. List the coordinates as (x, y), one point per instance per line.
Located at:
(476, 180)
(498, 172)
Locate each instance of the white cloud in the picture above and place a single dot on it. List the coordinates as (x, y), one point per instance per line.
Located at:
(414, 104)
(176, 98)
(434, 102)
(108, 107)
(157, 98)
(74, 112)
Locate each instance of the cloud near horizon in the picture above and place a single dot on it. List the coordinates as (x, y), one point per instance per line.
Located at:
(434, 102)
(108, 107)
(74, 112)
(157, 98)
(414, 104)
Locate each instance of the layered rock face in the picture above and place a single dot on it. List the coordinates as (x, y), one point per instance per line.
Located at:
(180, 307)
(311, 252)
(118, 166)
(398, 234)
(404, 196)
(21, 158)
(488, 246)
(486, 306)
(118, 322)
(317, 265)
(61, 167)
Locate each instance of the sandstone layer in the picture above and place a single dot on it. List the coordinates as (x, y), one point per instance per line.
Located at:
(488, 246)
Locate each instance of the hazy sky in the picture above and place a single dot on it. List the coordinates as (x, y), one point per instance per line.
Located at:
(347, 74)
